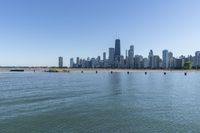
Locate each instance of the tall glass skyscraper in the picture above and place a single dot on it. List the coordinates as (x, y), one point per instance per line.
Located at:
(71, 62)
(104, 56)
(117, 50)
(111, 54)
(165, 59)
(151, 59)
(197, 59)
(131, 57)
(60, 62)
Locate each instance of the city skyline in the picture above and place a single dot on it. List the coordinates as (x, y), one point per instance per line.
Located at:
(64, 61)
(35, 33)
(132, 60)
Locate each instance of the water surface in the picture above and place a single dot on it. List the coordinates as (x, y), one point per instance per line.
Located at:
(103, 102)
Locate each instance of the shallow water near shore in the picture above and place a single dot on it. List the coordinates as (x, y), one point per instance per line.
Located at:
(103, 102)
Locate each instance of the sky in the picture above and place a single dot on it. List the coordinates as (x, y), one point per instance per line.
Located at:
(37, 32)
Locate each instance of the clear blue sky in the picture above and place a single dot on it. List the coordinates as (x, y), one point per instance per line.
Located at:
(36, 32)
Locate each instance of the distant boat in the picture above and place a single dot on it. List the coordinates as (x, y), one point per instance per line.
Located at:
(17, 70)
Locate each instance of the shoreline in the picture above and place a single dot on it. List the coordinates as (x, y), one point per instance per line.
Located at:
(118, 70)
(96, 70)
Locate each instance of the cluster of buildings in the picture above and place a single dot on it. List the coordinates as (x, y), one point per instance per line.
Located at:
(131, 61)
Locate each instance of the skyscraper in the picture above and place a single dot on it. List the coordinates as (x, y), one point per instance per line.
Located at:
(121, 63)
(126, 54)
(77, 60)
(71, 62)
(151, 59)
(197, 59)
(171, 60)
(117, 50)
(179, 63)
(131, 57)
(156, 62)
(138, 61)
(116, 60)
(111, 54)
(104, 56)
(60, 62)
(165, 55)
(98, 58)
(93, 62)
(146, 63)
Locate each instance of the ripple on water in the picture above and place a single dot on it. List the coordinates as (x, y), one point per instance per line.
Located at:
(103, 102)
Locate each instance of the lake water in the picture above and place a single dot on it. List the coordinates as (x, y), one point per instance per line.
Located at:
(102, 103)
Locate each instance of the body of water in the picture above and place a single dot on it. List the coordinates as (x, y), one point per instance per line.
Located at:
(102, 103)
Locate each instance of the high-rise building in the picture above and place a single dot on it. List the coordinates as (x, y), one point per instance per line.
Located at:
(171, 60)
(191, 59)
(165, 55)
(121, 63)
(93, 63)
(111, 57)
(179, 63)
(60, 62)
(126, 54)
(104, 56)
(197, 59)
(98, 58)
(71, 62)
(156, 62)
(138, 61)
(116, 60)
(111, 54)
(146, 63)
(77, 60)
(83, 63)
(117, 50)
(130, 61)
(151, 59)
(80, 65)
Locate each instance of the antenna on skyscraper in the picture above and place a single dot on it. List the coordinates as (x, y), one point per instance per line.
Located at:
(117, 36)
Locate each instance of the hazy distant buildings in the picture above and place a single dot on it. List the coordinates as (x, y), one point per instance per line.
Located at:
(60, 62)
